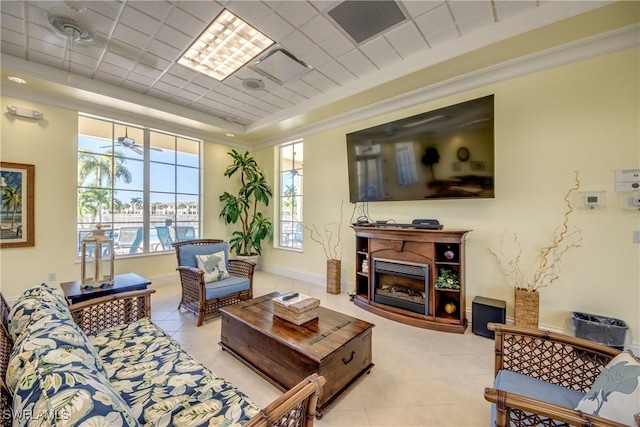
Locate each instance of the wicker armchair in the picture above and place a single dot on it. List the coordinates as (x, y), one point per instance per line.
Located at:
(206, 299)
(569, 362)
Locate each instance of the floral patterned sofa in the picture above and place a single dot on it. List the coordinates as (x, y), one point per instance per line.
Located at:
(126, 372)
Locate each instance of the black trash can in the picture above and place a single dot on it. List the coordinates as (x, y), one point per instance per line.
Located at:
(600, 329)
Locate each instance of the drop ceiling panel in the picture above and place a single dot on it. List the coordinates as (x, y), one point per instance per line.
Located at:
(435, 20)
(406, 40)
(138, 42)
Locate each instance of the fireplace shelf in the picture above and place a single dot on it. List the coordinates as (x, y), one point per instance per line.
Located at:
(432, 250)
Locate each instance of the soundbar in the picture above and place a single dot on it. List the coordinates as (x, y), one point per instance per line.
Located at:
(396, 225)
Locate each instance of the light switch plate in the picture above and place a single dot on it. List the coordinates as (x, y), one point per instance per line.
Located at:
(636, 236)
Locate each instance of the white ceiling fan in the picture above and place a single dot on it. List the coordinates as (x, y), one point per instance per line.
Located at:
(127, 142)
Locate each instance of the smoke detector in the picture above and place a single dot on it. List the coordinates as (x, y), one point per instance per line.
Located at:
(253, 84)
(70, 27)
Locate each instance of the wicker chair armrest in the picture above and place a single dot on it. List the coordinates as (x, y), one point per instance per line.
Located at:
(190, 271)
(241, 268)
(527, 412)
(295, 407)
(101, 313)
(559, 359)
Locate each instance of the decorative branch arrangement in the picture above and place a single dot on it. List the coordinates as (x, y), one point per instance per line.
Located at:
(550, 257)
(331, 240)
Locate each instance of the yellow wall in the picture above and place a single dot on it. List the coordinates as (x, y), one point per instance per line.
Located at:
(50, 144)
(584, 117)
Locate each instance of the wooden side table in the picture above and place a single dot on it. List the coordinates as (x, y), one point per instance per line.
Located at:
(121, 283)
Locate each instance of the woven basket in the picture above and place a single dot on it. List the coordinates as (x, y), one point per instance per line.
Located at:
(527, 308)
(334, 267)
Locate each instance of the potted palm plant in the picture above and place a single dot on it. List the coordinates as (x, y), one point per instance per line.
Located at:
(244, 206)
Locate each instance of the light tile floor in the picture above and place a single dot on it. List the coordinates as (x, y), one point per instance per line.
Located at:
(421, 377)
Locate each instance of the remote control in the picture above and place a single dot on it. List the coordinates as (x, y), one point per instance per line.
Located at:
(289, 296)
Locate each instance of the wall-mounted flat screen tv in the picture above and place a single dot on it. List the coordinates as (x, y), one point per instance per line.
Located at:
(440, 154)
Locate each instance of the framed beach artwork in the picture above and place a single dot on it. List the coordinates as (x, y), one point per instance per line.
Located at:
(16, 211)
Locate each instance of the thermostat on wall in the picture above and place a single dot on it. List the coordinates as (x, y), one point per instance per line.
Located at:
(593, 199)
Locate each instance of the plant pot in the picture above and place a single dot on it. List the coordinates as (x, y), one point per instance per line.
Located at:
(252, 258)
(334, 273)
(527, 308)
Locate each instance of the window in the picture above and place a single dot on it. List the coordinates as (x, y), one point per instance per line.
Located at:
(290, 166)
(142, 185)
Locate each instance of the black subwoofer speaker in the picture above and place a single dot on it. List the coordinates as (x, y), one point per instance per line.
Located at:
(485, 310)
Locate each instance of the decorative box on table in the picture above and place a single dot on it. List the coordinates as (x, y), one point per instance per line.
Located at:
(298, 310)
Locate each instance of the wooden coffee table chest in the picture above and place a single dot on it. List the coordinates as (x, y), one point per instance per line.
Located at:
(334, 345)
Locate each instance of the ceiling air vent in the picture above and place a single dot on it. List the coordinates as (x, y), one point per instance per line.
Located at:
(362, 20)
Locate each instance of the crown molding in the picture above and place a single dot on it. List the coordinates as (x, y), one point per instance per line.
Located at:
(589, 47)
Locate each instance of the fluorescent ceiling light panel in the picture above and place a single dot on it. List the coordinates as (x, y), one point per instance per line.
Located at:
(225, 46)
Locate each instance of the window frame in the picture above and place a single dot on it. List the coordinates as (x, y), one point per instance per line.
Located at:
(138, 220)
(290, 231)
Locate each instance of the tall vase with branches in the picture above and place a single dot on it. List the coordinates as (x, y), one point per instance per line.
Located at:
(330, 238)
(547, 267)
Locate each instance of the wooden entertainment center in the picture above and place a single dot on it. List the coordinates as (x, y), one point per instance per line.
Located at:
(408, 262)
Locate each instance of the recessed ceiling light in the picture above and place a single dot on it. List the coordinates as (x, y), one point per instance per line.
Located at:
(16, 79)
(224, 47)
(230, 135)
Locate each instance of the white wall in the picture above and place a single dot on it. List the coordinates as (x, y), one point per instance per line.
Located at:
(585, 117)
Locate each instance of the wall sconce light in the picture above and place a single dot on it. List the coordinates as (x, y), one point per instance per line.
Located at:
(24, 112)
(97, 259)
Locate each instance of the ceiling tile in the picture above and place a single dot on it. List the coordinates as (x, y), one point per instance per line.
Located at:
(134, 86)
(319, 81)
(465, 9)
(337, 45)
(356, 62)
(108, 9)
(276, 28)
(197, 89)
(380, 52)
(289, 95)
(14, 8)
(187, 23)
(323, 5)
(303, 88)
(407, 40)
(109, 78)
(434, 20)
(156, 9)
(253, 12)
(159, 94)
(316, 57)
(417, 8)
(165, 87)
(84, 60)
(114, 70)
(296, 12)
(184, 73)
(131, 36)
(117, 60)
(173, 80)
(443, 36)
(141, 21)
(481, 20)
(508, 9)
(188, 95)
(41, 33)
(297, 43)
(337, 72)
(163, 50)
(173, 37)
(204, 10)
(12, 49)
(48, 48)
(276, 100)
(11, 22)
(12, 37)
(319, 29)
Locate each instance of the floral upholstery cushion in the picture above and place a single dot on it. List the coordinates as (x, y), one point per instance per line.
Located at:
(50, 329)
(30, 302)
(615, 394)
(214, 266)
(163, 384)
(58, 389)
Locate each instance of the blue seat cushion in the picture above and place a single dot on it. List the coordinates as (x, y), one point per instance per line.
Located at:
(225, 287)
(188, 253)
(524, 385)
